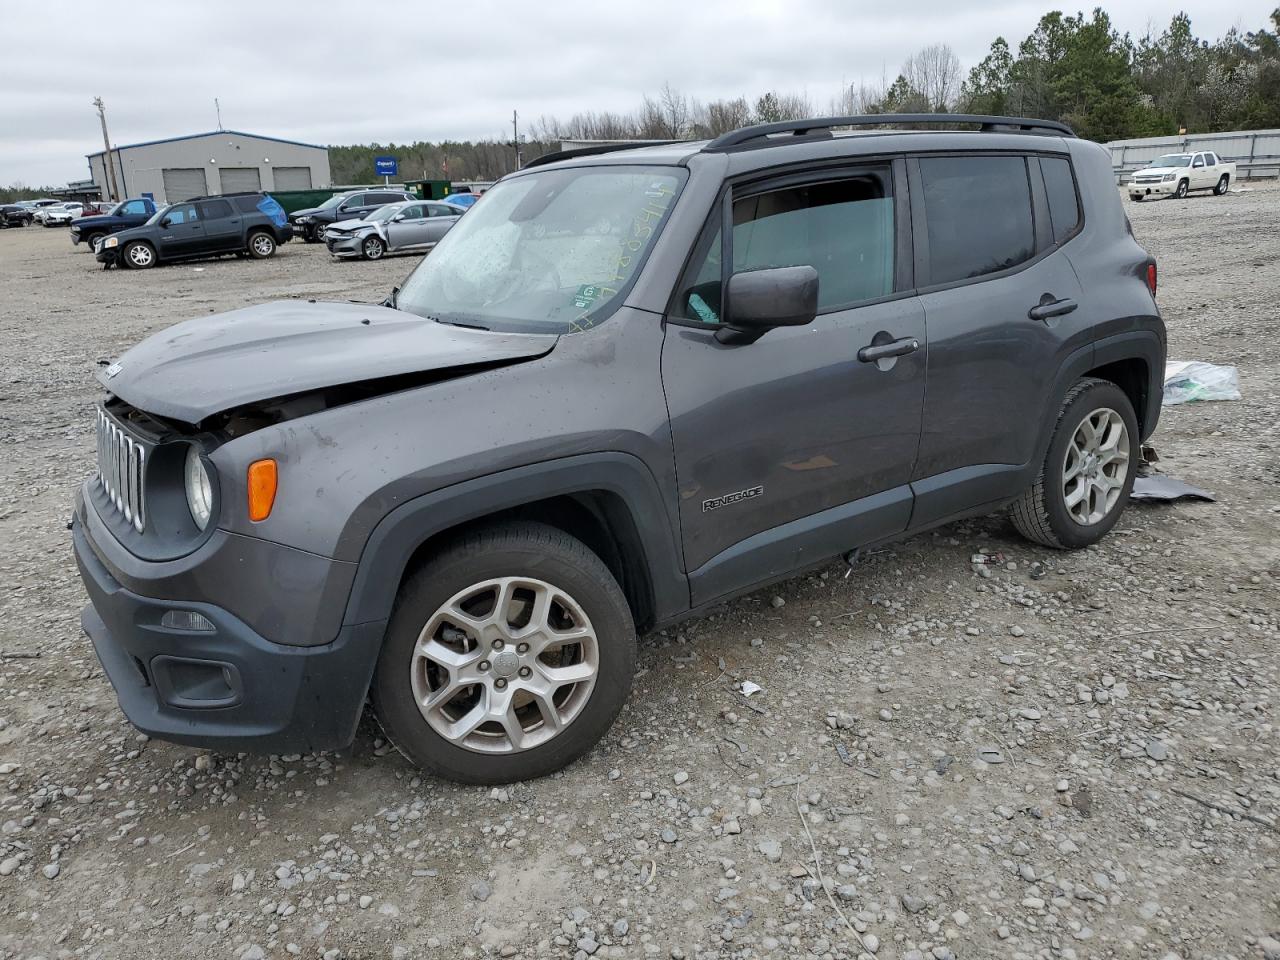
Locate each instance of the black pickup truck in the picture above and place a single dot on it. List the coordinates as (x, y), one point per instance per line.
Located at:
(245, 224)
(133, 212)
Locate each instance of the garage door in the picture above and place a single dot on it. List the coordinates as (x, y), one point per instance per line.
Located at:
(293, 178)
(184, 183)
(240, 179)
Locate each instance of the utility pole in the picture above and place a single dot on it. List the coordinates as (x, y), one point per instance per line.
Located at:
(106, 157)
(515, 137)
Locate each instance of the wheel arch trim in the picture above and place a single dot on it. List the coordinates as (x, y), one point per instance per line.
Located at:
(398, 536)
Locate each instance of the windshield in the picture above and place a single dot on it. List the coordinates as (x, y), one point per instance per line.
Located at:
(332, 202)
(385, 213)
(1173, 160)
(548, 252)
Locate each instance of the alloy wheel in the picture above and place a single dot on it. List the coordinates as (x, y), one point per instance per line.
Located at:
(1096, 466)
(504, 665)
(140, 255)
(262, 245)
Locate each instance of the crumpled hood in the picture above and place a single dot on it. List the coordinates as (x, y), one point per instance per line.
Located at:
(204, 366)
(352, 225)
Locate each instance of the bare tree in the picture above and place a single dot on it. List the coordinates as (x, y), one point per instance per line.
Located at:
(859, 99)
(935, 74)
(675, 112)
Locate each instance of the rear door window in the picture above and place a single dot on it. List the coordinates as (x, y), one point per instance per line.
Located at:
(215, 210)
(978, 215)
(1060, 187)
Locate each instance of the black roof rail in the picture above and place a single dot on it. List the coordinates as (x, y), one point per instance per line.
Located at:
(593, 151)
(823, 125)
(223, 196)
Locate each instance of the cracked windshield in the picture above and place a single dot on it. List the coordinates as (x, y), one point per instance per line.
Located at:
(549, 252)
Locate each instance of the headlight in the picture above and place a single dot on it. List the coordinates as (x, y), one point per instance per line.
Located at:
(1168, 177)
(199, 489)
(303, 220)
(111, 242)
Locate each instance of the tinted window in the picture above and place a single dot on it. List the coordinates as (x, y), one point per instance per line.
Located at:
(134, 207)
(1064, 210)
(215, 210)
(978, 212)
(181, 213)
(381, 198)
(1211, 159)
(247, 204)
(354, 201)
(842, 228)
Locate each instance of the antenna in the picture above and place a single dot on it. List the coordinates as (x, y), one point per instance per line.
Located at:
(218, 108)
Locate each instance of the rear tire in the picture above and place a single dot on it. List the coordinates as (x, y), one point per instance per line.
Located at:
(1224, 182)
(443, 637)
(1088, 471)
(138, 255)
(261, 245)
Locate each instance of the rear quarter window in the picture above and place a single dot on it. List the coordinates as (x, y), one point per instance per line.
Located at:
(1060, 187)
(978, 215)
(247, 204)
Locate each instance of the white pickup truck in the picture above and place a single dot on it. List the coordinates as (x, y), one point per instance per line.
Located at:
(1177, 174)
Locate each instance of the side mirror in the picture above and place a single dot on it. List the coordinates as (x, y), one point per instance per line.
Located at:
(397, 218)
(759, 300)
(166, 222)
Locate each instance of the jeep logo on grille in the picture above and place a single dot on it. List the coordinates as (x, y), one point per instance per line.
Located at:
(715, 503)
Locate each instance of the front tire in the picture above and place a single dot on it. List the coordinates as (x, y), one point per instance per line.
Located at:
(373, 248)
(92, 238)
(508, 655)
(261, 245)
(1088, 471)
(1224, 182)
(138, 255)
(1183, 188)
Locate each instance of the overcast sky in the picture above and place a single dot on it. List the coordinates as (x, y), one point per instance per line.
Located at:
(392, 71)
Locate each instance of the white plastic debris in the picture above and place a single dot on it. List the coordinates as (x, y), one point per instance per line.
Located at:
(748, 688)
(1188, 380)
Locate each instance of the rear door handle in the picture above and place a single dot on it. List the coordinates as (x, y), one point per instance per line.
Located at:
(1049, 307)
(886, 351)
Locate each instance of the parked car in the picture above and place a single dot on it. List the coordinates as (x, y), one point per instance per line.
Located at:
(311, 223)
(1177, 174)
(463, 200)
(395, 228)
(42, 213)
(250, 224)
(14, 215)
(62, 214)
(628, 386)
(133, 212)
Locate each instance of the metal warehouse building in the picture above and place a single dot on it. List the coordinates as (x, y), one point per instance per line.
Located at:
(224, 161)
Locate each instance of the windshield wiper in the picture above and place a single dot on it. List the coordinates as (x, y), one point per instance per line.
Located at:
(459, 323)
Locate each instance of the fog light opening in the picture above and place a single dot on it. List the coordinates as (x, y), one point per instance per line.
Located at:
(186, 620)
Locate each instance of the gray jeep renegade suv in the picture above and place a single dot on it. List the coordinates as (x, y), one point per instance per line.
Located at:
(630, 384)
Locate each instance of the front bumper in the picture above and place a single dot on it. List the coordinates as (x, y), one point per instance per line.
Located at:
(108, 255)
(227, 688)
(348, 246)
(1161, 189)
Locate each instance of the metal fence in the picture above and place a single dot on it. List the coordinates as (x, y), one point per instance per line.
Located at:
(1256, 153)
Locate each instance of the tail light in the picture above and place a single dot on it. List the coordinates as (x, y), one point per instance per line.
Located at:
(1151, 278)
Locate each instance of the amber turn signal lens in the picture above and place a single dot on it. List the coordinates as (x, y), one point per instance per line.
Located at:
(262, 488)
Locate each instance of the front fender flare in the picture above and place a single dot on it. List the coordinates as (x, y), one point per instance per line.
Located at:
(401, 532)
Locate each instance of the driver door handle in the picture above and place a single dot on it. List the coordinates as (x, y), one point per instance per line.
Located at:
(1048, 307)
(886, 351)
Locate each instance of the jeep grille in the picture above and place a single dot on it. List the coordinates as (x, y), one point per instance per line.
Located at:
(120, 463)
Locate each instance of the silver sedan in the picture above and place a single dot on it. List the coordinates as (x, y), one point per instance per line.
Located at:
(396, 228)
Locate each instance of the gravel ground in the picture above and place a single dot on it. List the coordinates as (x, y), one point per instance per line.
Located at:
(1048, 755)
